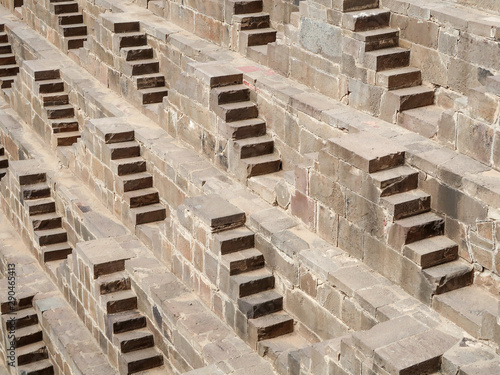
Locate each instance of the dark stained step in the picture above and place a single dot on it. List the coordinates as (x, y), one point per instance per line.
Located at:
(450, 276)
(237, 111)
(269, 326)
(153, 95)
(246, 6)
(5, 48)
(46, 221)
(132, 39)
(64, 7)
(251, 147)
(60, 111)
(399, 78)
(128, 166)
(66, 138)
(147, 81)
(148, 214)
(31, 353)
(9, 70)
(431, 251)
(43, 367)
(260, 304)
(113, 282)
(250, 21)
(140, 360)
(230, 94)
(120, 301)
(28, 335)
(70, 19)
(249, 283)
(23, 318)
(232, 240)
(74, 30)
(35, 191)
(378, 38)
(40, 206)
(124, 150)
(64, 126)
(385, 59)
(395, 180)
(74, 42)
(51, 236)
(415, 228)
(366, 19)
(258, 37)
(56, 251)
(259, 165)
(254, 127)
(135, 182)
(50, 86)
(7, 59)
(133, 340)
(6, 82)
(124, 322)
(143, 197)
(243, 261)
(55, 99)
(407, 204)
(137, 53)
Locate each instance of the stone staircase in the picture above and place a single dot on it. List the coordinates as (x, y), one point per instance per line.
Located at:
(252, 150)
(60, 114)
(70, 22)
(8, 65)
(32, 357)
(4, 162)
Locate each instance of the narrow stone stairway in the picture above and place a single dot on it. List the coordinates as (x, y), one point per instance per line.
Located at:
(60, 113)
(51, 238)
(252, 150)
(8, 65)
(4, 162)
(70, 22)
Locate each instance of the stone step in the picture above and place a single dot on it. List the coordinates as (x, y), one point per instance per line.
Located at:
(242, 129)
(132, 39)
(407, 204)
(23, 318)
(122, 26)
(137, 53)
(143, 197)
(113, 282)
(128, 166)
(424, 120)
(28, 335)
(260, 165)
(140, 67)
(257, 37)
(57, 251)
(7, 59)
(431, 251)
(5, 48)
(259, 54)
(152, 95)
(51, 236)
(50, 86)
(116, 134)
(36, 191)
(70, 18)
(449, 276)
(148, 214)
(250, 21)
(4, 37)
(260, 304)
(363, 20)
(64, 7)
(124, 322)
(66, 138)
(60, 111)
(28, 178)
(6, 82)
(55, 99)
(400, 78)
(24, 301)
(4, 162)
(377, 39)
(415, 228)
(124, 150)
(40, 206)
(133, 340)
(133, 182)
(74, 42)
(139, 360)
(3, 172)
(121, 301)
(237, 111)
(31, 353)
(64, 126)
(147, 81)
(74, 30)
(249, 283)
(43, 367)
(232, 240)
(269, 326)
(395, 180)
(251, 147)
(230, 94)
(357, 5)
(412, 97)
(246, 6)
(387, 58)
(243, 261)
(46, 221)
(9, 70)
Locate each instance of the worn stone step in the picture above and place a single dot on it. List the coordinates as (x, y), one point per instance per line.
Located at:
(113, 282)
(5, 48)
(424, 120)
(449, 276)
(243, 261)
(259, 54)
(64, 126)
(31, 353)
(134, 182)
(137, 53)
(412, 97)
(233, 240)
(124, 300)
(35, 191)
(124, 150)
(51, 236)
(74, 30)
(74, 42)
(124, 322)
(43, 367)
(66, 138)
(431, 251)
(56, 251)
(40, 206)
(9, 70)
(152, 95)
(250, 21)
(250, 147)
(269, 326)
(46, 221)
(3, 172)
(24, 301)
(356, 5)
(147, 81)
(54, 99)
(377, 39)
(140, 67)
(264, 164)
(28, 335)
(148, 214)
(127, 166)
(4, 162)
(132, 39)
(4, 37)
(121, 26)
(23, 318)
(60, 111)
(415, 228)
(368, 19)
(387, 58)
(50, 86)
(139, 360)
(252, 282)
(230, 112)
(7, 59)
(70, 18)
(406, 204)
(260, 304)
(242, 129)
(395, 180)
(399, 78)
(64, 7)
(143, 197)
(133, 340)
(257, 37)
(246, 6)
(230, 94)
(6, 82)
